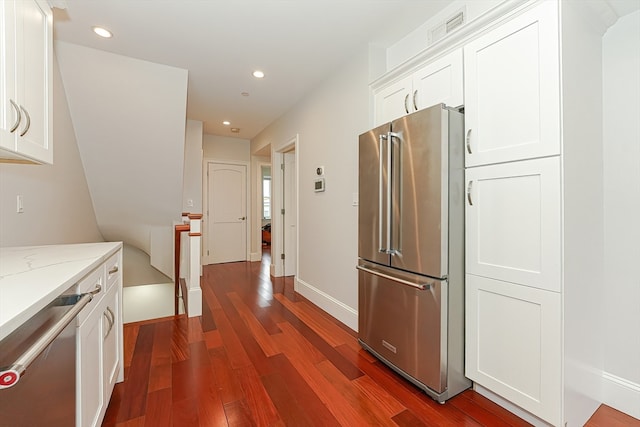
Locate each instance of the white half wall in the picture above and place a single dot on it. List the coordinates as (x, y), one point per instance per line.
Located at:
(621, 290)
(57, 204)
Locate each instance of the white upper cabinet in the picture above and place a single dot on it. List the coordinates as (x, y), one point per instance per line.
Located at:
(512, 95)
(26, 81)
(439, 81)
(513, 222)
(392, 101)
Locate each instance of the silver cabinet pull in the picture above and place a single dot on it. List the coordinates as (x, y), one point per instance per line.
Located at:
(469, 193)
(113, 270)
(28, 125)
(469, 141)
(406, 108)
(96, 290)
(421, 286)
(10, 376)
(111, 318)
(18, 118)
(415, 95)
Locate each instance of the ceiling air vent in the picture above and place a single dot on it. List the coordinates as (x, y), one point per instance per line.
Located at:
(443, 28)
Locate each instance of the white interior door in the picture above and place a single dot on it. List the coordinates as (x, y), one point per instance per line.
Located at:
(291, 214)
(226, 213)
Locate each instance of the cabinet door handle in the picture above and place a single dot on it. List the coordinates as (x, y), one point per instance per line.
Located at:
(469, 193)
(113, 270)
(96, 290)
(18, 118)
(406, 108)
(111, 318)
(28, 125)
(469, 141)
(415, 96)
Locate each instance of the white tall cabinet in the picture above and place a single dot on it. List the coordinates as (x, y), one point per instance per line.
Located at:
(534, 212)
(522, 106)
(26, 91)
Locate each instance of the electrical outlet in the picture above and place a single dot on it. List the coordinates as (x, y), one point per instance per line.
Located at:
(19, 204)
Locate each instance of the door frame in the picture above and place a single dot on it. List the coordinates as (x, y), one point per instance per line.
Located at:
(277, 224)
(206, 259)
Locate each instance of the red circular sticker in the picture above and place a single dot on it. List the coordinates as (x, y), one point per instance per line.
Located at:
(8, 378)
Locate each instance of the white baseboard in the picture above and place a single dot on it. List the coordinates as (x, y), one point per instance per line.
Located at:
(337, 309)
(194, 302)
(621, 394)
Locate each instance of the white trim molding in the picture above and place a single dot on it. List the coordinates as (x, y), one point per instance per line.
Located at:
(334, 307)
(621, 394)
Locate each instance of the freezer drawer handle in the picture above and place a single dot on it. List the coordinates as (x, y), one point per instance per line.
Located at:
(10, 375)
(421, 286)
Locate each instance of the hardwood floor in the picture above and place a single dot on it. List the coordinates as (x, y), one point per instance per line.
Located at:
(261, 355)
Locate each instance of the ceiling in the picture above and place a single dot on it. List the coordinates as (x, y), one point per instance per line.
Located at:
(297, 43)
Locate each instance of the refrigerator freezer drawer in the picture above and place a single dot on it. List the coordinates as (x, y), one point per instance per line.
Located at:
(403, 324)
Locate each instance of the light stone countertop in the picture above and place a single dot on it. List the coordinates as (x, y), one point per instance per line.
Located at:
(33, 276)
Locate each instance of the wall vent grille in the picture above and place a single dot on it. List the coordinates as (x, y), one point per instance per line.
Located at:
(441, 29)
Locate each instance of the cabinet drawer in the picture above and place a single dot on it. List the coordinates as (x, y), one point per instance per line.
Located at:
(113, 269)
(513, 344)
(92, 282)
(513, 222)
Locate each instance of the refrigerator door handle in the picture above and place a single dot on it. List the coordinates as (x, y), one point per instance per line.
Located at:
(390, 136)
(421, 286)
(382, 248)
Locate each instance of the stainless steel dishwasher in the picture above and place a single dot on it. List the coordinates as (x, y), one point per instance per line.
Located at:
(38, 366)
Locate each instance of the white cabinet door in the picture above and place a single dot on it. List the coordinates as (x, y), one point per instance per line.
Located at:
(439, 82)
(392, 101)
(26, 62)
(512, 92)
(90, 387)
(513, 344)
(8, 112)
(34, 83)
(513, 222)
(112, 325)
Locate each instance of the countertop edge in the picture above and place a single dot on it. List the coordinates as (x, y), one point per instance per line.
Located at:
(41, 301)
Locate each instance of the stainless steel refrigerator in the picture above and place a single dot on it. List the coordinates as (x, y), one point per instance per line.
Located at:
(411, 248)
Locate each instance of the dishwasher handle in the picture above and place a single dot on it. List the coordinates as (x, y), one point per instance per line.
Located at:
(10, 375)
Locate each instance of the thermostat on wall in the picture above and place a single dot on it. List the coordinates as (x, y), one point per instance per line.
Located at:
(318, 185)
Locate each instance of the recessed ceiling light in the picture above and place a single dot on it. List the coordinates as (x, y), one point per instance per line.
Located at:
(226, 123)
(102, 32)
(258, 74)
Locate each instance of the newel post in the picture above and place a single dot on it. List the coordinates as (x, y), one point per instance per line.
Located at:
(194, 305)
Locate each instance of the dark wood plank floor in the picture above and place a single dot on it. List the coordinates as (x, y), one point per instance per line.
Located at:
(261, 355)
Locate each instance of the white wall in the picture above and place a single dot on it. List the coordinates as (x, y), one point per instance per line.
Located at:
(226, 148)
(57, 204)
(417, 40)
(192, 185)
(328, 122)
(621, 291)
